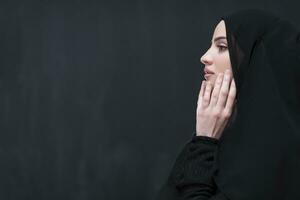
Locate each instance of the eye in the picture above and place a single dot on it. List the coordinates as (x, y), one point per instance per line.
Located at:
(222, 48)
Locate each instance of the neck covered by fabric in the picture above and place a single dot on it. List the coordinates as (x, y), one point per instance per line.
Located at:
(259, 154)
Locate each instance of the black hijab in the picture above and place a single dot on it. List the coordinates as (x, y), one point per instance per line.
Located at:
(259, 154)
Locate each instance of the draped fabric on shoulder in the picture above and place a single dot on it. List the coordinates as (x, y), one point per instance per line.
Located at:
(259, 154)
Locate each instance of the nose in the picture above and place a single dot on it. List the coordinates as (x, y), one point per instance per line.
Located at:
(206, 59)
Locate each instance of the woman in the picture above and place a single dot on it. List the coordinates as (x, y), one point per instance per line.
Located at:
(254, 154)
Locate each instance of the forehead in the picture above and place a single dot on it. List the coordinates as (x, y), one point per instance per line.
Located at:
(220, 29)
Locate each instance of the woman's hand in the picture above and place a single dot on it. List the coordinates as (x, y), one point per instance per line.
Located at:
(214, 109)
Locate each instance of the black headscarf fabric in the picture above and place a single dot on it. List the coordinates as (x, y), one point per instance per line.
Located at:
(259, 154)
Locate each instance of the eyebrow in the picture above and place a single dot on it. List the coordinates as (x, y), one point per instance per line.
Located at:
(219, 38)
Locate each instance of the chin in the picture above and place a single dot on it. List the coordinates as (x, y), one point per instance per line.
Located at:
(211, 79)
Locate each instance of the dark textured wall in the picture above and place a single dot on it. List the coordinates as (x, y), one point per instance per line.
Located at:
(98, 97)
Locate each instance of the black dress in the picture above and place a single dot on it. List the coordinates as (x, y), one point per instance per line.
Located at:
(192, 174)
(259, 155)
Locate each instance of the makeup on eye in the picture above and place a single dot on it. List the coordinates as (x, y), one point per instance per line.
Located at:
(221, 47)
(220, 38)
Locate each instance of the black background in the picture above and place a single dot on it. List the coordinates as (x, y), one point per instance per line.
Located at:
(98, 97)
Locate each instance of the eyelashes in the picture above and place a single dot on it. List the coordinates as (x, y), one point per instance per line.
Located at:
(222, 48)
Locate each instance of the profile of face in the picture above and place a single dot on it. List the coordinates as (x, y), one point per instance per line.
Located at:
(216, 59)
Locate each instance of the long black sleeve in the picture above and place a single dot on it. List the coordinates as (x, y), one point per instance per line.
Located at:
(191, 175)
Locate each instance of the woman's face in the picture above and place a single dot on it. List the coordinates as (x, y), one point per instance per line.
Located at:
(216, 59)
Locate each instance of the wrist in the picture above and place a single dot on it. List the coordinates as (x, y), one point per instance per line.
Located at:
(205, 138)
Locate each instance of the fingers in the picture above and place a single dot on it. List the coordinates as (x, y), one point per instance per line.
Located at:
(207, 92)
(201, 93)
(216, 90)
(202, 89)
(224, 89)
(231, 97)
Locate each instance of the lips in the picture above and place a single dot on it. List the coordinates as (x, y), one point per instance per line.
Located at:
(207, 71)
(207, 75)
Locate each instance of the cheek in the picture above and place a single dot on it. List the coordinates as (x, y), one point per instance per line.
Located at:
(226, 60)
(223, 63)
